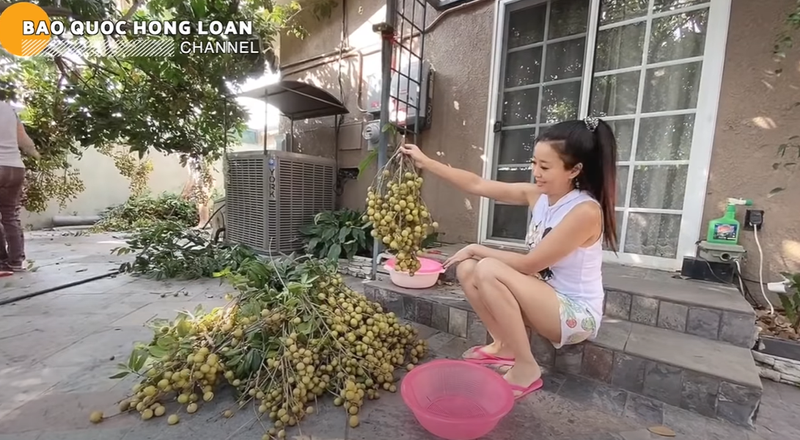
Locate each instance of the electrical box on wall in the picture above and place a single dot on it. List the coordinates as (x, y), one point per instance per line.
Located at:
(721, 253)
(407, 91)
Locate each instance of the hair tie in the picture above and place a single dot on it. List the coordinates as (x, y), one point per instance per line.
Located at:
(591, 123)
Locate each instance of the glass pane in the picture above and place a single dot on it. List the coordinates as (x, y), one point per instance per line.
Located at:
(612, 11)
(678, 36)
(516, 146)
(623, 131)
(568, 17)
(526, 26)
(619, 216)
(509, 221)
(671, 88)
(622, 185)
(665, 138)
(564, 60)
(671, 5)
(615, 94)
(514, 175)
(560, 102)
(524, 67)
(540, 130)
(658, 186)
(519, 107)
(620, 47)
(653, 234)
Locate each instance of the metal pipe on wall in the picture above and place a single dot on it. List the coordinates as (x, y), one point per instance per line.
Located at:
(334, 53)
(347, 51)
(387, 40)
(360, 55)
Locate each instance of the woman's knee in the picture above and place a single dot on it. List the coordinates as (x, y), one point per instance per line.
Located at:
(465, 271)
(486, 269)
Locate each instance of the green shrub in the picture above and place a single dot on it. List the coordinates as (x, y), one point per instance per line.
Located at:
(338, 234)
(140, 212)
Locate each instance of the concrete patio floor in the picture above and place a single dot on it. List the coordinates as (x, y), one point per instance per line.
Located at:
(58, 350)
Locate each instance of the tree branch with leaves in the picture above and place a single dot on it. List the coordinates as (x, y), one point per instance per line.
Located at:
(184, 104)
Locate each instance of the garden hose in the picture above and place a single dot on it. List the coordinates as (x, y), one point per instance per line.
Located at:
(63, 286)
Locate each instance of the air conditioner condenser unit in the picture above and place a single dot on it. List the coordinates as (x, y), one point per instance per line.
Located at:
(271, 195)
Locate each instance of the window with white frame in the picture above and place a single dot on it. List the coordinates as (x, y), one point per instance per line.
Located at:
(636, 63)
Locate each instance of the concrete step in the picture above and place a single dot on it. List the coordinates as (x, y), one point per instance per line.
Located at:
(661, 299)
(712, 378)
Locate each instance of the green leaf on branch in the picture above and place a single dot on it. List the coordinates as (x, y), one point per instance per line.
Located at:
(775, 191)
(334, 251)
(371, 157)
(120, 375)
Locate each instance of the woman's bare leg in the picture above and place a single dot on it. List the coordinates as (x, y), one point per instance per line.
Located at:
(465, 272)
(202, 214)
(514, 295)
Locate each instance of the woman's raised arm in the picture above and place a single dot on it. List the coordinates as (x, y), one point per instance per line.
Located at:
(524, 194)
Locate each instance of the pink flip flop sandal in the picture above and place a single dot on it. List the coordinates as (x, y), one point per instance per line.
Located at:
(489, 359)
(537, 384)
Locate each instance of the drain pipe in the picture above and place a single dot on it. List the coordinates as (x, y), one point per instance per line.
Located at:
(75, 220)
(387, 38)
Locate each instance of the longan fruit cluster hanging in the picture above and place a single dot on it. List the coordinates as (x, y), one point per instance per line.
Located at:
(398, 214)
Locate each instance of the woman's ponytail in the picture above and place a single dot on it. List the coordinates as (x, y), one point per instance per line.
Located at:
(606, 150)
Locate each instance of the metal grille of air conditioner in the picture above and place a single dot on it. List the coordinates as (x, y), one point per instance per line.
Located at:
(305, 188)
(245, 199)
(269, 220)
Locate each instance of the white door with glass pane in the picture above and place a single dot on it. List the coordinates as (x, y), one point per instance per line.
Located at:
(651, 68)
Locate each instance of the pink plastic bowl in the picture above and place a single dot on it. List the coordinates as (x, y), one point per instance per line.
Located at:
(456, 400)
(425, 277)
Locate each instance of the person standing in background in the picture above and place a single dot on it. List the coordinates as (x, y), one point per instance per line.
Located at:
(198, 188)
(14, 141)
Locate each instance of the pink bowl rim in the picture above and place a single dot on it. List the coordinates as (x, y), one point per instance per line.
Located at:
(389, 267)
(406, 391)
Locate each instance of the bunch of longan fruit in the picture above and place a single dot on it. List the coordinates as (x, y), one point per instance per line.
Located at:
(399, 217)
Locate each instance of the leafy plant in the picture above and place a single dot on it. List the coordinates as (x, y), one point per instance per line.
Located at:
(167, 249)
(144, 211)
(788, 157)
(784, 41)
(338, 234)
(791, 300)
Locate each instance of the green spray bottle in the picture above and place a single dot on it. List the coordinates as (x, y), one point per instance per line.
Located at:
(725, 230)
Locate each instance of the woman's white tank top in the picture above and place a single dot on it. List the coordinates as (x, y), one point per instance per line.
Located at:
(579, 274)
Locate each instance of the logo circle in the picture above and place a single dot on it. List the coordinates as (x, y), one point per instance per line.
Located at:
(11, 29)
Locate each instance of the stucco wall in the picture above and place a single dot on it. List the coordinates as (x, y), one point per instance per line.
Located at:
(458, 49)
(757, 110)
(106, 187)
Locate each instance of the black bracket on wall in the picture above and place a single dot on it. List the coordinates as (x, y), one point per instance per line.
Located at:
(343, 176)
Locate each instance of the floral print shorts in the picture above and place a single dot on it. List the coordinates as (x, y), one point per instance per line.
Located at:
(578, 321)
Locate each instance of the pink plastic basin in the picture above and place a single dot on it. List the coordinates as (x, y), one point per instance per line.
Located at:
(425, 277)
(456, 400)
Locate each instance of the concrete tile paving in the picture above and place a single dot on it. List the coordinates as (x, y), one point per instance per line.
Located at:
(58, 350)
